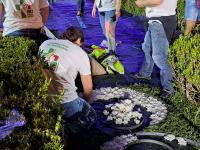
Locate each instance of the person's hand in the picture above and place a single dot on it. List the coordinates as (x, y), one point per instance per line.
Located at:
(94, 12)
(139, 3)
(117, 14)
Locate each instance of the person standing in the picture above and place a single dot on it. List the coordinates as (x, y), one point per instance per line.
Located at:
(109, 13)
(24, 17)
(192, 14)
(160, 27)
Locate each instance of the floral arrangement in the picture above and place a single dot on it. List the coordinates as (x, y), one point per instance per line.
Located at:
(128, 99)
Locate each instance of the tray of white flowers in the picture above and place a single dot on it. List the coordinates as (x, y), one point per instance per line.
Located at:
(153, 107)
(120, 114)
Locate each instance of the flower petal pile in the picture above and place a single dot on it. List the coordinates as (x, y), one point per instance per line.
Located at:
(157, 109)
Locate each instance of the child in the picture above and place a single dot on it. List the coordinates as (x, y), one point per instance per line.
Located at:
(109, 12)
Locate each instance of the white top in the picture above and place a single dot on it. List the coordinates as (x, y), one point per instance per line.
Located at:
(22, 14)
(167, 8)
(63, 60)
(105, 5)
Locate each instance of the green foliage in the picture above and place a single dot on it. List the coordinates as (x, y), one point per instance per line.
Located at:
(129, 6)
(176, 124)
(180, 13)
(189, 110)
(179, 110)
(184, 56)
(24, 88)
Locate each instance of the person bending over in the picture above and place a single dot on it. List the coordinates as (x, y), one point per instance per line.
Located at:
(62, 60)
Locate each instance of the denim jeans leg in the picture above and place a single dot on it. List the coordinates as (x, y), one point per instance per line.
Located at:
(72, 107)
(102, 22)
(147, 66)
(160, 46)
(87, 117)
(80, 5)
(78, 115)
(110, 25)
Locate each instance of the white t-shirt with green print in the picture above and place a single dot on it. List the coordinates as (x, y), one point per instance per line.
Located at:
(22, 14)
(62, 61)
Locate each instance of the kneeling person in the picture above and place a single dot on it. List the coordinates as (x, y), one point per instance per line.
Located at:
(62, 61)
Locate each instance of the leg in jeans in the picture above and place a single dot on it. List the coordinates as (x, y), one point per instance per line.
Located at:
(160, 47)
(79, 115)
(110, 25)
(80, 6)
(147, 66)
(102, 22)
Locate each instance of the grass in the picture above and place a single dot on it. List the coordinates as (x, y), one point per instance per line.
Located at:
(176, 123)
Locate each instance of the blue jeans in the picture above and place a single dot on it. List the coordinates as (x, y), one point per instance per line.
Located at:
(155, 48)
(80, 5)
(78, 115)
(108, 24)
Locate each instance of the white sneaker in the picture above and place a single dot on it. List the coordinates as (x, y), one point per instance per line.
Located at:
(104, 43)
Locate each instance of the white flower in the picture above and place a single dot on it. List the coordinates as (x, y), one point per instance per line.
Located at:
(105, 112)
(157, 108)
(118, 121)
(109, 118)
(170, 137)
(181, 141)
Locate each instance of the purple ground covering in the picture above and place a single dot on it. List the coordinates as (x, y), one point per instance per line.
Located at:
(63, 15)
(129, 30)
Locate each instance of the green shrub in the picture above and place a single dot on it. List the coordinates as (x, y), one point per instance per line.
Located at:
(184, 56)
(180, 115)
(25, 89)
(180, 13)
(129, 6)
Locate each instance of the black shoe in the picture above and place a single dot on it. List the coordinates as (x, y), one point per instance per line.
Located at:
(139, 76)
(79, 13)
(166, 95)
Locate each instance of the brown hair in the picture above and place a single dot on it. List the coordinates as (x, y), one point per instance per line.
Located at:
(72, 34)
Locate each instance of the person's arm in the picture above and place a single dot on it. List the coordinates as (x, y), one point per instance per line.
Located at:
(117, 9)
(148, 3)
(94, 9)
(87, 86)
(45, 14)
(1, 10)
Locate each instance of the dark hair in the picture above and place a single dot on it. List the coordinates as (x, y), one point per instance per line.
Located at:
(72, 34)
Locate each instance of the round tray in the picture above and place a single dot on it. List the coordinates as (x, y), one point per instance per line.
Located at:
(99, 107)
(148, 144)
(129, 126)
